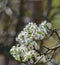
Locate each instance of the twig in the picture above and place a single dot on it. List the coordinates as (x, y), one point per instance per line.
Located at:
(47, 9)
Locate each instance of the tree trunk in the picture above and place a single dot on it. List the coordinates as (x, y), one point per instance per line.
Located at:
(3, 59)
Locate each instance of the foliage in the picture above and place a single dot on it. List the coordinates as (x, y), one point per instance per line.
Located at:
(54, 13)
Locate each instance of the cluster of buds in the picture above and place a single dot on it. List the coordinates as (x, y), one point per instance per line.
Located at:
(28, 46)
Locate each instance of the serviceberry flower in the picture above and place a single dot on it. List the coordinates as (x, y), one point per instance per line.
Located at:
(29, 39)
(45, 26)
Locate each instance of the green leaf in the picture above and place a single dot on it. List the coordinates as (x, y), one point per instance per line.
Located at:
(56, 21)
(53, 12)
(55, 3)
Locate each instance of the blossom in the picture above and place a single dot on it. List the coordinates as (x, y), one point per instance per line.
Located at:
(31, 27)
(39, 35)
(41, 58)
(21, 37)
(29, 39)
(44, 26)
(15, 52)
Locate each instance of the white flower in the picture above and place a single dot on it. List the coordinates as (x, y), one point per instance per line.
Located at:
(17, 57)
(44, 26)
(15, 52)
(29, 39)
(25, 58)
(41, 58)
(21, 37)
(30, 28)
(49, 25)
(39, 35)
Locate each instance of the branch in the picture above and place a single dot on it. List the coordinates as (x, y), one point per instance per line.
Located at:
(56, 32)
(47, 9)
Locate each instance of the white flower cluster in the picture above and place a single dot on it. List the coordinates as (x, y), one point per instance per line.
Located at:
(28, 42)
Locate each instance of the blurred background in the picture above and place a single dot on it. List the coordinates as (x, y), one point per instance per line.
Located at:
(15, 14)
